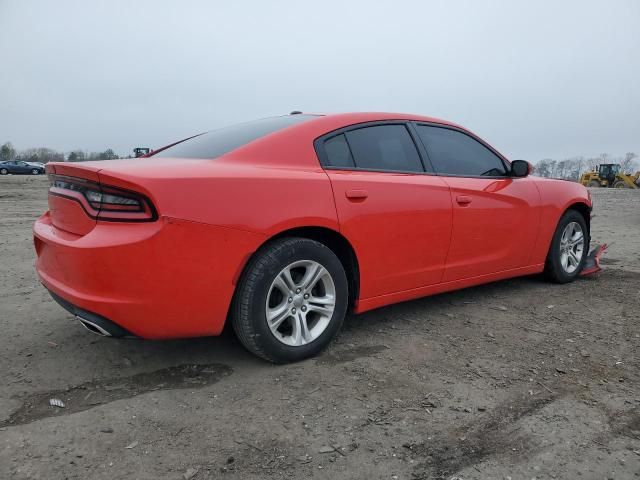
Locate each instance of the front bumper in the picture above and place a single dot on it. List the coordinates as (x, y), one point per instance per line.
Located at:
(165, 279)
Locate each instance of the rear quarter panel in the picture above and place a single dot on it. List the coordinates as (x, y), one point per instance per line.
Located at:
(256, 198)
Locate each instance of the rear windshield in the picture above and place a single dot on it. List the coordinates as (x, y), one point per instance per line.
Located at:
(218, 142)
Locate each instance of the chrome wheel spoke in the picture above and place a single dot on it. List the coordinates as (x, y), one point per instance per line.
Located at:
(301, 335)
(286, 280)
(327, 300)
(311, 277)
(577, 238)
(324, 310)
(277, 315)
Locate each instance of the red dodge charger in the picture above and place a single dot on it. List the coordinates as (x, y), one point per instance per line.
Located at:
(284, 224)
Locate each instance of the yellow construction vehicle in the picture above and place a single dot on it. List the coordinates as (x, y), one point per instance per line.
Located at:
(610, 175)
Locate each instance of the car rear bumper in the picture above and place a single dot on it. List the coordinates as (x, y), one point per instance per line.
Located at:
(91, 321)
(165, 279)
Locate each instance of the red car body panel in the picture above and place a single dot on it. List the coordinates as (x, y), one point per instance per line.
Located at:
(495, 225)
(412, 234)
(400, 209)
(141, 278)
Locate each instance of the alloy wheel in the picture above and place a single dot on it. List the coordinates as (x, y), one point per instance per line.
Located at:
(571, 247)
(300, 303)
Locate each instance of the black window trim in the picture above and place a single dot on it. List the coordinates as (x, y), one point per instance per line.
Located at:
(423, 153)
(318, 145)
(505, 163)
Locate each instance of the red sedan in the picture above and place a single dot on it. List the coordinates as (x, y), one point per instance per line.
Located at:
(285, 224)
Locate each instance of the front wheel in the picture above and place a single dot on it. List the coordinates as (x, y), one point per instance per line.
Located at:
(291, 300)
(35, 171)
(594, 183)
(569, 248)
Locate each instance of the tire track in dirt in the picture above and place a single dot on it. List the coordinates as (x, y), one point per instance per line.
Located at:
(91, 394)
(493, 435)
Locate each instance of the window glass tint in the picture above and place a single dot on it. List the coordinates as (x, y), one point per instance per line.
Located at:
(218, 142)
(384, 147)
(452, 152)
(338, 153)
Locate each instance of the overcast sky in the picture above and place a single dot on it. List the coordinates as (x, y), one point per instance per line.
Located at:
(534, 78)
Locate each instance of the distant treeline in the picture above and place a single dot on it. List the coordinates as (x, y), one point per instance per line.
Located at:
(572, 168)
(45, 155)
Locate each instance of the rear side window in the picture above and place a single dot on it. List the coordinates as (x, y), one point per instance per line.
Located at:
(381, 147)
(455, 153)
(218, 142)
(338, 152)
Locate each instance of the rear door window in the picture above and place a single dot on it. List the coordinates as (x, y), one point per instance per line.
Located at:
(384, 147)
(454, 153)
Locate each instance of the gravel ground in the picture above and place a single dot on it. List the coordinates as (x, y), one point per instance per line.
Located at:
(518, 379)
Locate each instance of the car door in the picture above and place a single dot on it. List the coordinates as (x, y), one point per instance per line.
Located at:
(495, 216)
(11, 166)
(24, 167)
(395, 214)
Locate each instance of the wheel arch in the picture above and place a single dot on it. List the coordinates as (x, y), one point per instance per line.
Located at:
(333, 240)
(584, 210)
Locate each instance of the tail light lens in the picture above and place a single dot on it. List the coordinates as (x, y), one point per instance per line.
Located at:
(103, 202)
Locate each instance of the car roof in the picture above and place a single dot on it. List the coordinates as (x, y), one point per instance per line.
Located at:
(341, 120)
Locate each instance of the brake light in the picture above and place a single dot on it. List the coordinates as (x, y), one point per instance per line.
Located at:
(103, 202)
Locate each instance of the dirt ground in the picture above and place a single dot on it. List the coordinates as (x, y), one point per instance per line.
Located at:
(519, 379)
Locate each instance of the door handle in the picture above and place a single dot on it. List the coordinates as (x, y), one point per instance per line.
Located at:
(463, 199)
(356, 194)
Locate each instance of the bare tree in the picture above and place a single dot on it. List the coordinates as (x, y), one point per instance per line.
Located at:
(76, 156)
(592, 162)
(7, 152)
(628, 163)
(43, 155)
(543, 168)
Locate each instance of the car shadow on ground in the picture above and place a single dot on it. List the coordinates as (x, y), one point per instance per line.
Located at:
(226, 349)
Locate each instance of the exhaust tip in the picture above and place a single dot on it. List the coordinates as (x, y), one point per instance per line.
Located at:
(93, 328)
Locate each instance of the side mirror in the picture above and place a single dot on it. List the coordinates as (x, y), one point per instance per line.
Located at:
(521, 168)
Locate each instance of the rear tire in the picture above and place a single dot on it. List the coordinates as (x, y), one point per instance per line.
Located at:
(3, 171)
(594, 183)
(267, 311)
(567, 253)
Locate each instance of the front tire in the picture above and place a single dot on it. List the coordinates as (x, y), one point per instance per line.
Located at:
(291, 300)
(569, 248)
(35, 171)
(594, 184)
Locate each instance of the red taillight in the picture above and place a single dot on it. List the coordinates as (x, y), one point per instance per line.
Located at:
(103, 202)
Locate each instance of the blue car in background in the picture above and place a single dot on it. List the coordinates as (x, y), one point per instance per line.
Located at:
(20, 167)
